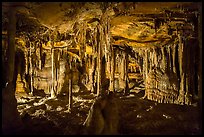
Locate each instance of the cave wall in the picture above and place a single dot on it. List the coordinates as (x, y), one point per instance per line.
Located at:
(172, 72)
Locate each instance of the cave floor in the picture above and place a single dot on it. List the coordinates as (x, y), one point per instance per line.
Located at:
(45, 116)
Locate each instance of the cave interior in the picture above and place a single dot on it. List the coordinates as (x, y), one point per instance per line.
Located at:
(57, 57)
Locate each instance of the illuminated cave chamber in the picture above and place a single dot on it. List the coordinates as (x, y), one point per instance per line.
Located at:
(60, 47)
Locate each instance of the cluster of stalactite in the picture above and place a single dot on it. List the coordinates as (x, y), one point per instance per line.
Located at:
(170, 72)
(97, 67)
(136, 62)
(100, 63)
(43, 67)
(106, 61)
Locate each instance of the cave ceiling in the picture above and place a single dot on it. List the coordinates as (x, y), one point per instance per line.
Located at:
(135, 24)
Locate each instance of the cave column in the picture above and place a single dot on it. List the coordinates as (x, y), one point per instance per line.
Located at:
(99, 58)
(40, 60)
(82, 51)
(26, 61)
(120, 70)
(53, 94)
(146, 63)
(31, 69)
(112, 71)
(92, 73)
(126, 73)
(94, 61)
(200, 54)
(170, 59)
(181, 97)
(150, 59)
(174, 58)
(109, 53)
(25, 80)
(10, 116)
(163, 63)
(143, 66)
(82, 42)
(70, 83)
(145, 73)
(123, 72)
(56, 70)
